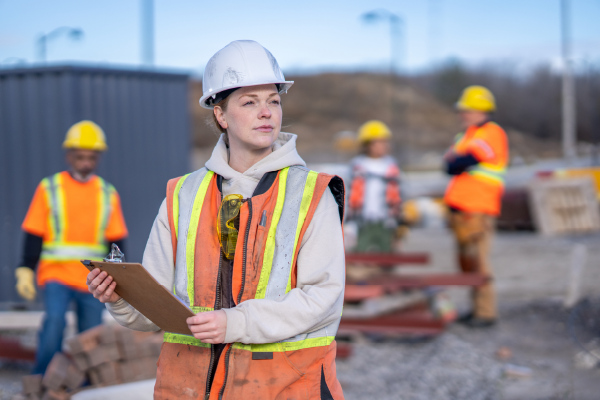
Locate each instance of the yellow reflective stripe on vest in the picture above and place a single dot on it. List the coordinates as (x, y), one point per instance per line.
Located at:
(176, 203)
(280, 347)
(192, 232)
(56, 198)
(261, 289)
(307, 196)
(183, 339)
(490, 172)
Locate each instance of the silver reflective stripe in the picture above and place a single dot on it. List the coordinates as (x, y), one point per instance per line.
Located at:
(187, 194)
(107, 189)
(52, 187)
(71, 252)
(285, 235)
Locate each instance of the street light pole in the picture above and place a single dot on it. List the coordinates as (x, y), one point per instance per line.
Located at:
(147, 32)
(42, 41)
(569, 139)
(396, 24)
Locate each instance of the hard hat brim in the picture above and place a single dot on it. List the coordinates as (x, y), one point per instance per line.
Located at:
(459, 106)
(285, 85)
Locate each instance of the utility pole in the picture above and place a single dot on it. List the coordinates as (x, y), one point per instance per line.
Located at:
(434, 36)
(569, 139)
(147, 32)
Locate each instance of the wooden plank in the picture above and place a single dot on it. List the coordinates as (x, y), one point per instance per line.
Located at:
(393, 283)
(416, 322)
(387, 260)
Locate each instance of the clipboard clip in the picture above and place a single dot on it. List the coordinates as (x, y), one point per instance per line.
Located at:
(115, 255)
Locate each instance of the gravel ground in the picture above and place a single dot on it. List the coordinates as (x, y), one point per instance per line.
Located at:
(531, 276)
(446, 368)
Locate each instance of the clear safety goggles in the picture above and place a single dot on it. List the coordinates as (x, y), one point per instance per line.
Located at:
(228, 223)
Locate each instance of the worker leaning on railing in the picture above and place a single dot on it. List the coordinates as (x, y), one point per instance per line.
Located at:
(253, 244)
(74, 215)
(477, 161)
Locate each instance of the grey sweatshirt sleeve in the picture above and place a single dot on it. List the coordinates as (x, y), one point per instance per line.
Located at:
(158, 260)
(318, 298)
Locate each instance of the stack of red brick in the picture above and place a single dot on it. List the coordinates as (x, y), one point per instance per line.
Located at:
(101, 356)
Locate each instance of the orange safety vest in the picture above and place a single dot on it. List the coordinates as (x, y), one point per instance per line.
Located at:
(480, 188)
(357, 187)
(271, 226)
(76, 221)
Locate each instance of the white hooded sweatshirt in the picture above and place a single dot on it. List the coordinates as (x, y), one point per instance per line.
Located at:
(318, 297)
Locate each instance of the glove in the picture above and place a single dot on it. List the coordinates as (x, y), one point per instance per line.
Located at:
(25, 285)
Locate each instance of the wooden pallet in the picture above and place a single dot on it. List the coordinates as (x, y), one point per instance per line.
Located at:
(564, 206)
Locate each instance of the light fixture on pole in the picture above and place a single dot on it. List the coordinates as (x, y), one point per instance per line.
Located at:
(396, 23)
(42, 41)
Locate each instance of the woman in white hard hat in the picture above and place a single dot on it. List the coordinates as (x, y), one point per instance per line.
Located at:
(253, 243)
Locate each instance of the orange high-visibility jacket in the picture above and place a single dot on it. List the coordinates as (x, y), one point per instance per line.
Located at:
(76, 220)
(480, 188)
(271, 226)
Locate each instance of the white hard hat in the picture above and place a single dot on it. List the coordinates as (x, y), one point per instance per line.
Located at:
(239, 64)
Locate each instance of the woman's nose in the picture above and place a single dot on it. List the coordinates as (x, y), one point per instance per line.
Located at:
(265, 112)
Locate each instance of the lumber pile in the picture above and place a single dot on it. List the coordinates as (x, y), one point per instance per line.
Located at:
(101, 356)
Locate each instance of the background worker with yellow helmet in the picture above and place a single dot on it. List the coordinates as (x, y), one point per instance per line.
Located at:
(477, 162)
(374, 201)
(74, 215)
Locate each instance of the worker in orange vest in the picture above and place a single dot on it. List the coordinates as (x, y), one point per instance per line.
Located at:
(253, 244)
(74, 215)
(477, 163)
(374, 200)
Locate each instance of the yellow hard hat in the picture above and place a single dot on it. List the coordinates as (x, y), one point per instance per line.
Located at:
(476, 98)
(373, 130)
(85, 135)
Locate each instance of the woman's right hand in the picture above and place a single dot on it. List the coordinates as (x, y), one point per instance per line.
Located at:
(102, 286)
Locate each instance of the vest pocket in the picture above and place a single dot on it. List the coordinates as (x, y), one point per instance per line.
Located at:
(259, 244)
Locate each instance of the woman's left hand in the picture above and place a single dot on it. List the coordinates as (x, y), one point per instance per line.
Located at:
(210, 327)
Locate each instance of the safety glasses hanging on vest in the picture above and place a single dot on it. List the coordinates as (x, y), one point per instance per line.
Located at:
(228, 223)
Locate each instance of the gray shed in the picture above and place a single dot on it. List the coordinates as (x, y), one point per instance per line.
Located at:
(145, 117)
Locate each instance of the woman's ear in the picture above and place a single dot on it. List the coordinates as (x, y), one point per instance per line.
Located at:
(220, 115)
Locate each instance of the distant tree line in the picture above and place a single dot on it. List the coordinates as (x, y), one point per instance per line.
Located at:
(527, 101)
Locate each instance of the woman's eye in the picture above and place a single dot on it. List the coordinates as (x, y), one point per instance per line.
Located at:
(275, 102)
(248, 102)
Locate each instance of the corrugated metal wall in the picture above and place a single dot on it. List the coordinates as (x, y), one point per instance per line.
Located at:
(146, 120)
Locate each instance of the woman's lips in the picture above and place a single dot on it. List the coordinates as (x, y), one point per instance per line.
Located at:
(264, 128)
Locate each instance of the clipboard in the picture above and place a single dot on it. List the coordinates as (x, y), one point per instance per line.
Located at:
(145, 294)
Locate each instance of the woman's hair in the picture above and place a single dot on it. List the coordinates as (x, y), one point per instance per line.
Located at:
(214, 122)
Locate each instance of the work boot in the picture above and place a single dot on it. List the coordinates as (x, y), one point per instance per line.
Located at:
(464, 318)
(477, 322)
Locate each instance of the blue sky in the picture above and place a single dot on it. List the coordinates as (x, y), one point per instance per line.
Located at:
(306, 35)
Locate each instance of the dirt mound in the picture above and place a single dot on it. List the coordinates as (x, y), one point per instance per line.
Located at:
(320, 106)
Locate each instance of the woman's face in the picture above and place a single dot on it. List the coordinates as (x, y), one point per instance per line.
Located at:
(253, 117)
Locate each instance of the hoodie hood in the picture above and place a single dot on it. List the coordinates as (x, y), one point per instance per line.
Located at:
(284, 155)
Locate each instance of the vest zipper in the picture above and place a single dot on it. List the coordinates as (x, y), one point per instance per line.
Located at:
(226, 372)
(227, 354)
(211, 366)
(239, 299)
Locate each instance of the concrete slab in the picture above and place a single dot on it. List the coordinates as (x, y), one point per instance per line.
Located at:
(141, 390)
